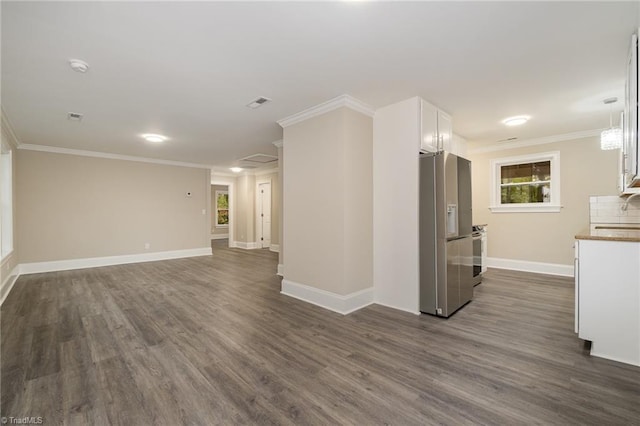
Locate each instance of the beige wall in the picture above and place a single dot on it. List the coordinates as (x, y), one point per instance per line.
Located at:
(244, 215)
(11, 261)
(244, 206)
(280, 206)
(358, 201)
(275, 204)
(327, 192)
(74, 207)
(546, 237)
(217, 230)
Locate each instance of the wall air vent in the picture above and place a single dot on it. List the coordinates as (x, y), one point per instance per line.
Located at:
(258, 102)
(74, 116)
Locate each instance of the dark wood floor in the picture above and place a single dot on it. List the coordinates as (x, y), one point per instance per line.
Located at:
(210, 340)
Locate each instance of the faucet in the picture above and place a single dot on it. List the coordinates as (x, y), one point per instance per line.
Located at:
(625, 206)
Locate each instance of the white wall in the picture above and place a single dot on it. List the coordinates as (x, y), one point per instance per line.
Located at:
(396, 131)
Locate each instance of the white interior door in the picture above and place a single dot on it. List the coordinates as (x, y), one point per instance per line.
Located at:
(264, 215)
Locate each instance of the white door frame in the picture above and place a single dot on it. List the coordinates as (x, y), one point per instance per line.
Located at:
(260, 181)
(219, 180)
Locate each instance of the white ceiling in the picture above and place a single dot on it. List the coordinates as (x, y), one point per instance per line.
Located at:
(187, 70)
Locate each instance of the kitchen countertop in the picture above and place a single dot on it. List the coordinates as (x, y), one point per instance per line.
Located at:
(621, 232)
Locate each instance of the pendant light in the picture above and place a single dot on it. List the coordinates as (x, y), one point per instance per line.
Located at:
(612, 137)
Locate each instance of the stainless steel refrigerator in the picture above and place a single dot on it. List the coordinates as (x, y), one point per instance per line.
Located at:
(446, 244)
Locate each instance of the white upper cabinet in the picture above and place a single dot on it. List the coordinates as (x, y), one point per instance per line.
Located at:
(459, 146)
(445, 132)
(436, 129)
(429, 127)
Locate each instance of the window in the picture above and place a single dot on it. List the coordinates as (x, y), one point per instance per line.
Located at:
(529, 183)
(222, 209)
(6, 201)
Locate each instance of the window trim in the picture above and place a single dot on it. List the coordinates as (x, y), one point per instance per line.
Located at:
(554, 206)
(228, 208)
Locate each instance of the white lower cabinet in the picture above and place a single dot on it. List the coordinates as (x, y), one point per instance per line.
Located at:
(607, 312)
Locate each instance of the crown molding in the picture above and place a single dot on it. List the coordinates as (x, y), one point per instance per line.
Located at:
(96, 154)
(278, 144)
(6, 125)
(335, 103)
(537, 141)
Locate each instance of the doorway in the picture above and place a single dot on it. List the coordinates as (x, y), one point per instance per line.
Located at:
(219, 212)
(263, 215)
(219, 230)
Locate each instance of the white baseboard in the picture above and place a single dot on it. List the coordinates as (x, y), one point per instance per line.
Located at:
(219, 236)
(65, 265)
(280, 270)
(397, 308)
(526, 266)
(342, 304)
(8, 283)
(243, 245)
(275, 247)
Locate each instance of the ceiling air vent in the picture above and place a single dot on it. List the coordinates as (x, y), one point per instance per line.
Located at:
(258, 159)
(258, 102)
(74, 116)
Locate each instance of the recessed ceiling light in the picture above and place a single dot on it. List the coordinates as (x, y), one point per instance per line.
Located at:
(78, 65)
(150, 137)
(236, 169)
(516, 121)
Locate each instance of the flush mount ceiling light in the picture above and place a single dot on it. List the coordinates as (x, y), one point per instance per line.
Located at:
(612, 137)
(236, 169)
(151, 137)
(516, 121)
(78, 65)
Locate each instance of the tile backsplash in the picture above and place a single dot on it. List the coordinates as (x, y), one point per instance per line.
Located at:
(608, 209)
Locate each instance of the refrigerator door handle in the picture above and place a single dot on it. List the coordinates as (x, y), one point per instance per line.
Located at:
(452, 220)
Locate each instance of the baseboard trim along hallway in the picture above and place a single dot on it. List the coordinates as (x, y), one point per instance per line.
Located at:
(92, 262)
(8, 283)
(219, 236)
(243, 245)
(342, 304)
(526, 266)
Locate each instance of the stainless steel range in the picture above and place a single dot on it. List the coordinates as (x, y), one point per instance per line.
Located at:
(479, 235)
